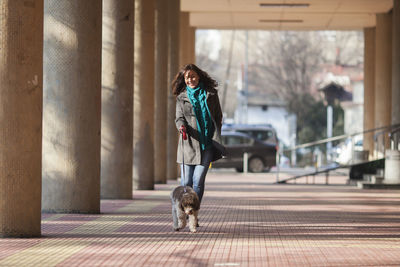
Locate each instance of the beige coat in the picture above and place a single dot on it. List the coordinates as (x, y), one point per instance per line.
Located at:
(185, 116)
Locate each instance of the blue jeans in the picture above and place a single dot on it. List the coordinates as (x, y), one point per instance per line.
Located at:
(195, 175)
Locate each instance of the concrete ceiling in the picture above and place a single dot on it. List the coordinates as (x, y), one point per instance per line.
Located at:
(283, 15)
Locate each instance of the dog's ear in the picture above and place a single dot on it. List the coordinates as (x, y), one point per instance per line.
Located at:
(196, 203)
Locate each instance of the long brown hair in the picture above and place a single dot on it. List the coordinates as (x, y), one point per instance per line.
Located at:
(178, 84)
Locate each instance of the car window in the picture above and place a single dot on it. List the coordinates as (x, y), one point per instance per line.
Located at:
(235, 140)
(263, 135)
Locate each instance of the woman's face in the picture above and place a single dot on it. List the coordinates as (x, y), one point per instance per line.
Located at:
(191, 79)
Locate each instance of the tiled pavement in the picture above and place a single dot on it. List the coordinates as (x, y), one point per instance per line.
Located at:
(244, 221)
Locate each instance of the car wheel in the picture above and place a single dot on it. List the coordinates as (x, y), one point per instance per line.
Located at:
(256, 165)
(239, 169)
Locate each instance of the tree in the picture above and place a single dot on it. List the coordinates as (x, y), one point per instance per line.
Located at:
(291, 59)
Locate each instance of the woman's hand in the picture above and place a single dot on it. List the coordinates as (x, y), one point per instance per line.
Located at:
(182, 130)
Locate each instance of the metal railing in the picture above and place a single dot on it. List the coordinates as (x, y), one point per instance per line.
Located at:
(394, 136)
(317, 156)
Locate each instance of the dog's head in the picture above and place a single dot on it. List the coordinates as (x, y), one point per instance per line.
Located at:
(190, 203)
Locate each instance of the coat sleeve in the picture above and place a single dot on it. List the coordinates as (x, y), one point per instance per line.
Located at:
(179, 116)
(218, 112)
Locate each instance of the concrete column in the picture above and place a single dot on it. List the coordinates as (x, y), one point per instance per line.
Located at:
(383, 71)
(392, 159)
(143, 109)
(72, 101)
(173, 68)
(187, 40)
(117, 99)
(396, 63)
(184, 39)
(369, 88)
(21, 87)
(161, 92)
(192, 44)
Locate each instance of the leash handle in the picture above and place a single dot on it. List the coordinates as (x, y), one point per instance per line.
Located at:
(182, 130)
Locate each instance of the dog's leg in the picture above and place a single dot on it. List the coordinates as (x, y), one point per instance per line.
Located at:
(193, 222)
(181, 218)
(175, 217)
(196, 214)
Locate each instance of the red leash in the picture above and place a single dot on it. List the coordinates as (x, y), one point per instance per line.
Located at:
(184, 137)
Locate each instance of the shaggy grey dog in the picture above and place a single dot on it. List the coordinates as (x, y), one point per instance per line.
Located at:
(185, 204)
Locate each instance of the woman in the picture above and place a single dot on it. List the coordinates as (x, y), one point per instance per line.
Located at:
(199, 117)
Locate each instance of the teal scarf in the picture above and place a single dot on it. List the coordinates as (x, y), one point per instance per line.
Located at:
(198, 98)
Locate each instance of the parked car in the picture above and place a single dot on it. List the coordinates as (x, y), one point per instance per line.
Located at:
(263, 132)
(261, 155)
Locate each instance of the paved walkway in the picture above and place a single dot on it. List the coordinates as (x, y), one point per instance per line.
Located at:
(244, 221)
